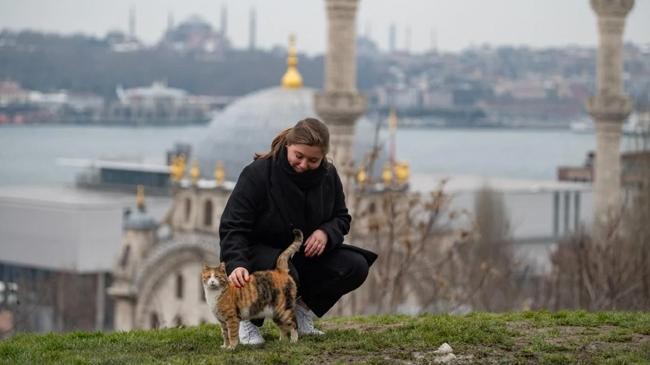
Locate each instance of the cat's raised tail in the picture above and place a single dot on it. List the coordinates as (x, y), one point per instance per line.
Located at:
(282, 263)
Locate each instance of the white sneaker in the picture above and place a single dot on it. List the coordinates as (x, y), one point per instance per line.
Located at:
(249, 334)
(305, 319)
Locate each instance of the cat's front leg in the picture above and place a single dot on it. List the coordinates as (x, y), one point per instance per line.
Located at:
(224, 334)
(233, 332)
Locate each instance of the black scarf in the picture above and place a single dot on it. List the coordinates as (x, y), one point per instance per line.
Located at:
(299, 196)
(303, 180)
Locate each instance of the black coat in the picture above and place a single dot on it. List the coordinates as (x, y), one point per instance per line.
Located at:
(264, 208)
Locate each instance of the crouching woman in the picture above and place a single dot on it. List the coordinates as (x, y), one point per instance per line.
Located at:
(293, 186)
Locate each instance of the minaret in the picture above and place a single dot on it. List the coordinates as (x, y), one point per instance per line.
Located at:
(224, 21)
(340, 104)
(252, 30)
(132, 23)
(392, 36)
(434, 41)
(407, 40)
(170, 21)
(609, 108)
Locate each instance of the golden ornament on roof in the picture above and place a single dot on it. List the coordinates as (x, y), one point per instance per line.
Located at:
(402, 172)
(219, 173)
(362, 176)
(195, 172)
(292, 78)
(387, 174)
(177, 169)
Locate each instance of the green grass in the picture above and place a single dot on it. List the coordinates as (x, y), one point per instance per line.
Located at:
(509, 338)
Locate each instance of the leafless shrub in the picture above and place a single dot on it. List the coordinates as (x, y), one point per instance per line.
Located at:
(431, 257)
(610, 271)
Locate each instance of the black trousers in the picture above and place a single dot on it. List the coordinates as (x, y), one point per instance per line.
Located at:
(321, 280)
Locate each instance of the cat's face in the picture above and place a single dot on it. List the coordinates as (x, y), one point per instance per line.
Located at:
(214, 277)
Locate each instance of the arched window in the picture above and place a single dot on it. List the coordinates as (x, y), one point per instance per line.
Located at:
(179, 286)
(207, 216)
(154, 321)
(188, 208)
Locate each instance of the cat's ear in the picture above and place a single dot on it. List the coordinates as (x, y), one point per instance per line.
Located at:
(222, 267)
(206, 267)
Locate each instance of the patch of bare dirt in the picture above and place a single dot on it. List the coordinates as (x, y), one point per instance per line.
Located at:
(360, 326)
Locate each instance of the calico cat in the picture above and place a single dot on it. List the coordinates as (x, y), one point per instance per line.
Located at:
(268, 294)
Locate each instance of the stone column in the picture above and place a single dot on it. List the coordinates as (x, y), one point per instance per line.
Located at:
(609, 108)
(340, 104)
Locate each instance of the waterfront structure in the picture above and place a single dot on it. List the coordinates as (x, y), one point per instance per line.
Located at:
(159, 104)
(609, 108)
(340, 104)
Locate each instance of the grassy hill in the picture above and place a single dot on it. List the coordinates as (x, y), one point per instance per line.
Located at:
(511, 338)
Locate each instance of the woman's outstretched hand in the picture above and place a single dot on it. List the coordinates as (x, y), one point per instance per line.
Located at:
(239, 277)
(315, 244)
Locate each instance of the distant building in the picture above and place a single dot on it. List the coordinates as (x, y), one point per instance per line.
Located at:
(633, 174)
(159, 104)
(156, 276)
(196, 35)
(12, 93)
(58, 245)
(20, 106)
(122, 43)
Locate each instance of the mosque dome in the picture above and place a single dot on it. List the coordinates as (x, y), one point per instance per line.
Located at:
(249, 124)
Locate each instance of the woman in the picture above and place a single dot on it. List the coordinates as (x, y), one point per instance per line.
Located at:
(293, 186)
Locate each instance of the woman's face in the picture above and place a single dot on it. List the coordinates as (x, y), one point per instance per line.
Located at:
(303, 157)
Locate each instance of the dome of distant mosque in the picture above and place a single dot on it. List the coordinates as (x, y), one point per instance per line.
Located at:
(250, 123)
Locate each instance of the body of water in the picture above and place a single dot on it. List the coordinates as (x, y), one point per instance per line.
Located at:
(28, 154)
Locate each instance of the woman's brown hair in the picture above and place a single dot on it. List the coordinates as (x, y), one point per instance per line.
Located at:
(309, 131)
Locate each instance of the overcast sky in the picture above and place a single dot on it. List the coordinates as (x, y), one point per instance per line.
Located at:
(450, 24)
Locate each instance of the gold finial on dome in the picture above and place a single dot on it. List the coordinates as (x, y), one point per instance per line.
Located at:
(219, 173)
(402, 172)
(139, 197)
(362, 176)
(292, 78)
(177, 168)
(195, 173)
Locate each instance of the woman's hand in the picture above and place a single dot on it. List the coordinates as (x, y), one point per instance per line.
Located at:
(315, 244)
(239, 277)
